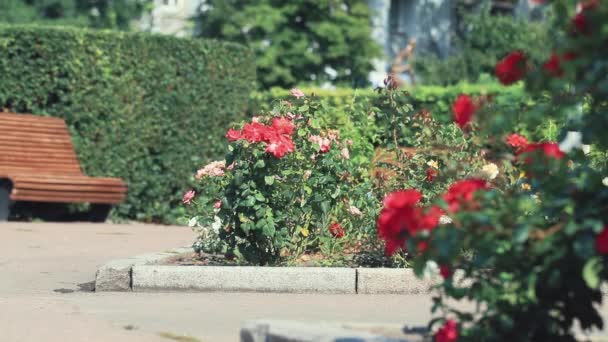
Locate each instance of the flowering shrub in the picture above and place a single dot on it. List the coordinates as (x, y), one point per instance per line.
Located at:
(539, 237)
(287, 186)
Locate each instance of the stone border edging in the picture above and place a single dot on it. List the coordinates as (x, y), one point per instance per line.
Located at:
(116, 275)
(141, 273)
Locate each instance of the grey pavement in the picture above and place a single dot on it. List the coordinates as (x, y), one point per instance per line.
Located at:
(46, 270)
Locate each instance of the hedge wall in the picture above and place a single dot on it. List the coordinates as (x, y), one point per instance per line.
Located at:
(436, 99)
(149, 109)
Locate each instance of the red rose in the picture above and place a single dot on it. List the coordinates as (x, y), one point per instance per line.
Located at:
(549, 149)
(517, 141)
(447, 333)
(445, 271)
(431, 174)
(553, 66)
(336, 231)
(601, 241)
(402, 199)
(256, 132)
(462, 193)
(234, 135)
(283, 126)
(580, 21)
(397, 215)
(570, 55)
(512, 68)
(401, 218)
(425, 220)
(463, 109)
(422, 246)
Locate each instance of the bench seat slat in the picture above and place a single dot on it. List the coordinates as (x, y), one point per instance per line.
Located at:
(33, 119)
(73, 187)
(76, 179)
(67, 197)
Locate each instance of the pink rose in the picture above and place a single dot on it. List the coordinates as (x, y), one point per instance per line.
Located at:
(324, 143)
(217, 204)
(280, 145)
(188, 196)
(283, 126)
(345, 153)
(297, 93)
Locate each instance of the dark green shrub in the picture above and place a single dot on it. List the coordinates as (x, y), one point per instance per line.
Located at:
(149, 109)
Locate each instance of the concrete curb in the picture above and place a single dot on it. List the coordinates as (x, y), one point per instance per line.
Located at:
(146, 273)
(116, 275)
(392, 281)
(244, 279)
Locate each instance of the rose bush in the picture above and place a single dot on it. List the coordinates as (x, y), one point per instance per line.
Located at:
(538, 240)
(288, 186)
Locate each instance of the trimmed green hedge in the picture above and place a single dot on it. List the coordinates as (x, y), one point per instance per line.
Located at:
(436, 99)
(149, 109)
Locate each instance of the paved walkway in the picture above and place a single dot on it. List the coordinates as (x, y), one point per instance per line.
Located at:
(46, 272)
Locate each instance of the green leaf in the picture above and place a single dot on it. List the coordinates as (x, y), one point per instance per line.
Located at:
(259, 164)
(269, 180)
(591, 272)
(260, 197)
(521, 234)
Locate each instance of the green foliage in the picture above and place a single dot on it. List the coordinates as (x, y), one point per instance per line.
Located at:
(295, 41)
(484, 40)
(115, 14)
(437, 153)
(148, 109)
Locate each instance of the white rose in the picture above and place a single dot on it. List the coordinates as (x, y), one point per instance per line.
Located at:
(571, 141)
(490, 171)
(445, 219)
(217, 224)
(354, 211)
(431, 270)
(586, 149)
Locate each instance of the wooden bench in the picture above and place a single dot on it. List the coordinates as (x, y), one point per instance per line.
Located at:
(38, 164)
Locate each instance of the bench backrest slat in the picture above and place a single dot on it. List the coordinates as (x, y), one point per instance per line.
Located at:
(30, 143)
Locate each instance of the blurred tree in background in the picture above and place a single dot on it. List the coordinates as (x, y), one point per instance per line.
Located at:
(113, 14)
(481, 39)
(298, 41)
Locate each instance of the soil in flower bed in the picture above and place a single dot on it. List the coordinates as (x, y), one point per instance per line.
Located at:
(360, 259)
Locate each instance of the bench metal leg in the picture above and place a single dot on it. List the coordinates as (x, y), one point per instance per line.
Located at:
(5, 201)
(99, 212)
